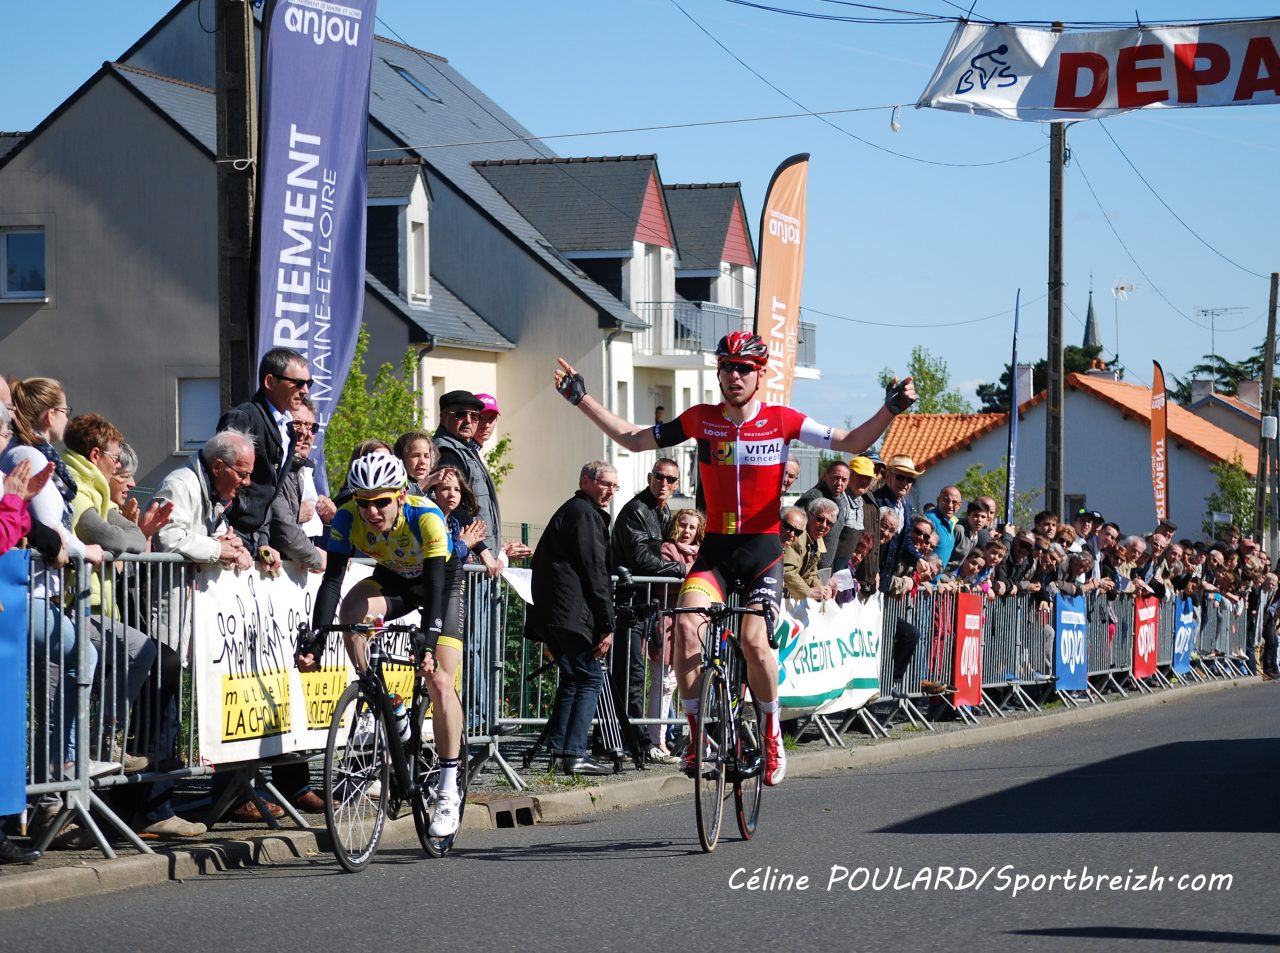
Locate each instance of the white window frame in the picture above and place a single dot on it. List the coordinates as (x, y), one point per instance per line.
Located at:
(174, 376)
(16, 223)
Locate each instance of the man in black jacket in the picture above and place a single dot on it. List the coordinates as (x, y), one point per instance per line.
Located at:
(284, 377)
(572, 611)
(636, 544)
(283, 380)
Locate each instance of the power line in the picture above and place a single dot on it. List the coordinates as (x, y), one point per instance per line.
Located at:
(1176, 216)
(840, 129)
(898, 324)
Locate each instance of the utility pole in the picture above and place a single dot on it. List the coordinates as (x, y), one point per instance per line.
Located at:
(1264, 443)
(1053, 434)
(237, 100)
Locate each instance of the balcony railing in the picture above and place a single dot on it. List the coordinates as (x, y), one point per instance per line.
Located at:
(684, 327)
(695, 327)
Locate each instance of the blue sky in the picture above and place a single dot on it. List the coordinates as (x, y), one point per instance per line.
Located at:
(919, 247)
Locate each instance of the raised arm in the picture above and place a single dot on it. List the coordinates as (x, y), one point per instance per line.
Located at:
(574, 389)
(898, 397)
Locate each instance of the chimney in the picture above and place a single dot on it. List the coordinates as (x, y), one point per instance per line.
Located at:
(1251, 393)
(1200, 389)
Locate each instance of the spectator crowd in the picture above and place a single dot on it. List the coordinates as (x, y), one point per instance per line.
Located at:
(249, 497)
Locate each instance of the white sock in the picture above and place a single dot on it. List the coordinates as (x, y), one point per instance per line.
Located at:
(769, 714)
(448, 777)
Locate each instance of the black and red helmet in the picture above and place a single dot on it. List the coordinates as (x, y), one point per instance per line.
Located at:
(742, 346)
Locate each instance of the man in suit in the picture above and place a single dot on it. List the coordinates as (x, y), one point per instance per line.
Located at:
(284, 378)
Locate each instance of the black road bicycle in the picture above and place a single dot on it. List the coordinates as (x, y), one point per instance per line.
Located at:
(729, 749)
(370, 772)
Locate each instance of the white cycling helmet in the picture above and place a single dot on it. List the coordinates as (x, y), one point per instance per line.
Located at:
(377, 471)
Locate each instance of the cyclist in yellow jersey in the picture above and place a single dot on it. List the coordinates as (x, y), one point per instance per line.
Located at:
(406, 536)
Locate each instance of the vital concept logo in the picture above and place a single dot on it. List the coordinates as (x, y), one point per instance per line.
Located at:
(989, 68)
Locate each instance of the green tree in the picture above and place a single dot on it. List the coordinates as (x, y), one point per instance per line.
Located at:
(979, 481)
(1075, 360)
(933, 384)
(1233, 495)
(1226, 375)
(386, 410)
(496, 462)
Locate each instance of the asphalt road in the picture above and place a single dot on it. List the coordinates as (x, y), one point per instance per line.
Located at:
(1181, 792)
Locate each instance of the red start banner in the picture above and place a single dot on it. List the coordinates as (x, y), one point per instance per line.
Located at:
(1042, 76)
(1146, 618)
(968, 661)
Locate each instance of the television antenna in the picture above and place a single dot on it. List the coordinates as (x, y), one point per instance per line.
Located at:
(1120, 292)
(1213, 314)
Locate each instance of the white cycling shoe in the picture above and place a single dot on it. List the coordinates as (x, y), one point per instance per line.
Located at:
(447, 816)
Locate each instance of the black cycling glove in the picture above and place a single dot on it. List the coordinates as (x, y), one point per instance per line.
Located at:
(896, 399)
(573, 388)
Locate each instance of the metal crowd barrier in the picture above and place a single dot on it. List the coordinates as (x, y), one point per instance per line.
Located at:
(108, 651)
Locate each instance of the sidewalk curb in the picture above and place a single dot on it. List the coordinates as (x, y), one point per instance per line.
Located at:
(275, 848)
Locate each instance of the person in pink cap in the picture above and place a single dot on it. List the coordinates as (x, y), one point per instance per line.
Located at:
(488, 419)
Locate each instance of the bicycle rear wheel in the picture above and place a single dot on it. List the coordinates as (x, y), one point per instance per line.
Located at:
(748, 781)
(709, 778)
(357, 777)
(428, 779)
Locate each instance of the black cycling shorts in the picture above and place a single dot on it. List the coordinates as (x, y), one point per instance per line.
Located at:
(749, 563)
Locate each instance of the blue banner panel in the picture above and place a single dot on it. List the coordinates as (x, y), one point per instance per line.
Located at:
(14, 574)
(1071, 649)
(312, 190)
(1184, 635)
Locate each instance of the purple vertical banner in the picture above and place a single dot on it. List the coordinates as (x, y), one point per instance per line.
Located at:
(312, 196)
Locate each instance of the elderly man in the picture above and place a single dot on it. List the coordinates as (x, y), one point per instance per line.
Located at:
(636, 544)
(944, 520)
(283, 379)
(790, 473)
(802, 549)
(572, 611)
(199, 495)
(832, 486)
(900, 476)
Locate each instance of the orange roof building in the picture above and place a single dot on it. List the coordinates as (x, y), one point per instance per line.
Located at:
(1107, 463)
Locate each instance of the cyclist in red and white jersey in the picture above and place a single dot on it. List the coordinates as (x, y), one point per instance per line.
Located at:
(742, 454)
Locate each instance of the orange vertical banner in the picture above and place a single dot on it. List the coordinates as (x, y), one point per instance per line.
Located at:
(1159, 444)
(781, 274)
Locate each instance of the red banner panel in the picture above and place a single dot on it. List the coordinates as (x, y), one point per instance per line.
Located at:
(968, 662)
(1146, 618)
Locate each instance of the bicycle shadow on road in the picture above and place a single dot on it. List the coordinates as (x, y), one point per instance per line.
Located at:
(1187, 786)
(607, 850)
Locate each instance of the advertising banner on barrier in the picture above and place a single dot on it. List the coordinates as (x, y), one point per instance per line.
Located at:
(1184, 634)
(312, 191)
(1041, 76)
(968, 660)
(828, 656)
(252, 702)
(15, 581)
(1071, 656)
(1146, 633)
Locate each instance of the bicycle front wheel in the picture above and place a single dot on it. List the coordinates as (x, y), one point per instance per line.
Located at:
(709, 777)
(427, 767)
(357, 777)
(748, 782)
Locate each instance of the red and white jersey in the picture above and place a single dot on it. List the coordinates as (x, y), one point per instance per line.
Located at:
(740, 467)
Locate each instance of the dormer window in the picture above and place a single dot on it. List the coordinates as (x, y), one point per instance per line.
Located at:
(416, 83)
